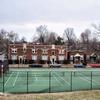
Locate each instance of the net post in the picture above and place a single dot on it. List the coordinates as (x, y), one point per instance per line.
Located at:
(91, 80)
(27, 81)
(71, 82)
(49, 81)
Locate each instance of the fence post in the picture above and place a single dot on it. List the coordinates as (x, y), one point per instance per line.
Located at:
(27, 82)
(91, 80)
(49, 81)
(3, 83)
(71, 82)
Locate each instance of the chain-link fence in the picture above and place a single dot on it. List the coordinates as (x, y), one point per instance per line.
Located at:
(41, 81)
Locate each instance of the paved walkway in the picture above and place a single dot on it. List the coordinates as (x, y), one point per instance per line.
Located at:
(44, 65)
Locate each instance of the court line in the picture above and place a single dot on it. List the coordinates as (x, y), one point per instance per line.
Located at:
(58, 80)
(8, 79)
(16, 79)
(94, 80)
(88, 80)
(85, 79)
(35, 77)
(62, 78)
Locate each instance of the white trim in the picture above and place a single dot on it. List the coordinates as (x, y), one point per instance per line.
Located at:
(44, 57)
(34, 57)
(14, 57)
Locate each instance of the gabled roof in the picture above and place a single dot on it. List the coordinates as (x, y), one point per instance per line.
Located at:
(77, 55)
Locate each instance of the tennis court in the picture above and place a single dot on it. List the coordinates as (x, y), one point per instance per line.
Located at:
(49, 80)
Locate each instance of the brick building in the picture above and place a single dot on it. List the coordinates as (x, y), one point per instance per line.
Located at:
(28, 53)
(36, 53)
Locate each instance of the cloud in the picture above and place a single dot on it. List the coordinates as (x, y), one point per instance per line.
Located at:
(49, 10)
(23, 16)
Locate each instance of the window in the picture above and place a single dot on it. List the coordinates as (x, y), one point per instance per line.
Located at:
(33, 50)
(24, 56)
(14, 50)
(61, 57)
(44, 51)
(71, 57)
(44, 57)
(14, 57)
(53, 53)
(61, 51)
(34, 57)
(88, 57)
(24, 49)
(53, 46)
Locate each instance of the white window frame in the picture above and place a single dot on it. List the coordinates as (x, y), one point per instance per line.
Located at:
(33, 50)
(53, 52)
(71, 57)
(44, 57)
(61, 51)
(44, 51)
(14, 57)
(61, 57)
(24, 49)
(34, 57)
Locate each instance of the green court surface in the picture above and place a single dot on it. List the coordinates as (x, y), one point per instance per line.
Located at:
(49, 80)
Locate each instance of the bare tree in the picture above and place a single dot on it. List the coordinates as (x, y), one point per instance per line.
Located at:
(13, 37)
(97, 28)
(51, 38)
(85, 39)
(3, 41)
(96, 32)
(23, 40)
(94, 44)
(42, 33)
(6, 38)
(70, 36)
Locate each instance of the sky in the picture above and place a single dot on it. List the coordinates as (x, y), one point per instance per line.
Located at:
(24, 16)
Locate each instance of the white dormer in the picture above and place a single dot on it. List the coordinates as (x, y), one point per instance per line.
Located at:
(33, 50)
(53, 46)
(24, 46)
(14, 50)
(44, 51)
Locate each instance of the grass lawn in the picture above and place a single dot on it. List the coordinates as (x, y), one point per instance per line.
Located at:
(78, 95)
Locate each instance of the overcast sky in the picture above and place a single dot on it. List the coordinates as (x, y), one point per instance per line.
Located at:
(23, 16)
